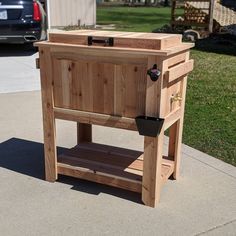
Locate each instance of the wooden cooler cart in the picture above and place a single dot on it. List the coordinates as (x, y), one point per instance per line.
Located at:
(132, 81)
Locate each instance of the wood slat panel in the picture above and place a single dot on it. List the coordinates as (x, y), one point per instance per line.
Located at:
(109, 165)
(66, 82)
(135, 90)
(86, 56)
(111, 51)
(57, 83)
(108, 158)
(179, 71)
(103, 87)
(86, 86)
(127, 153)
(119, 91)
(175, 60)
(99, 166)
(108, 86)
(97, 76)
(100, 87)
(172, 118)
(121, 39)
(95, 118)
(98, 177)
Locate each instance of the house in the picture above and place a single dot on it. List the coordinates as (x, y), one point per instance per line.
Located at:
(63, 13)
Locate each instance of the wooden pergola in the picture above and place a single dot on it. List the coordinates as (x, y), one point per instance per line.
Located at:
(198, 13)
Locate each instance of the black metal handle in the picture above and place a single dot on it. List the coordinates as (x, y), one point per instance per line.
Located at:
(106, 42)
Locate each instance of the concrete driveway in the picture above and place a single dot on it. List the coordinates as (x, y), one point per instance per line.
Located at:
(17, 69)
(202, 202)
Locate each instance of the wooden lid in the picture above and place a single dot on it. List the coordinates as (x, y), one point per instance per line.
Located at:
(137, 40)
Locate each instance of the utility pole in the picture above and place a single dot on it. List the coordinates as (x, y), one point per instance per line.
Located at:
(211, 11)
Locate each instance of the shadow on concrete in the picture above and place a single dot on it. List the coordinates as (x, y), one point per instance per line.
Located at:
(17, 50)
(27, 158)
(96, 189)
(22, 156)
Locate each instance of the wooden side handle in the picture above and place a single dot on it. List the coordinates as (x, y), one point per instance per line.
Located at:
(179, 71)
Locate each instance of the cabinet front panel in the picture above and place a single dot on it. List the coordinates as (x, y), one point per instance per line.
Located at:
(107, 88)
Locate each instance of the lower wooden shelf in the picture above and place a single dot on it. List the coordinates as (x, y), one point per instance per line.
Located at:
(108, 165)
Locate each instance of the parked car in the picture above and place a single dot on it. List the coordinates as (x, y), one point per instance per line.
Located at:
(22, 21)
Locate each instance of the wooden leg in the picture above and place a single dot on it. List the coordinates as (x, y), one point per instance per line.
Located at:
(151, 183)
(172, 140)
(84, 133)
(175, 141)
(50, 152)
(176, 131)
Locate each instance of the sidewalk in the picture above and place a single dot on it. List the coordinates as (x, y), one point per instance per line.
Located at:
(17, 68)
(202, 202)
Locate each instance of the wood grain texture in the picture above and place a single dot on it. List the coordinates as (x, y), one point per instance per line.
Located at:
(61, 53)
(99, 177)
(178, 144)
(108, 165)
(103, 164)
(173, 140)
(66, 82)
(152, 91)
(109, 86)
(121, 39)
(152, 181)
(95, 118)
(179, 71)
(50, 155)
(176, 130)
(104, 88)
(111, 51)
(152, 165)
(177, 59)
(172, 117)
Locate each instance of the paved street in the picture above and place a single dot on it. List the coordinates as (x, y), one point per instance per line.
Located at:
(17, 69)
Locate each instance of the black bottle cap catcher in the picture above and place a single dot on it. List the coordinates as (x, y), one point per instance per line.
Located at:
(154, 73)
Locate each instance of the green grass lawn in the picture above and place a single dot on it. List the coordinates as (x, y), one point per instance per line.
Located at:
(210, 117)
(134, 18)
